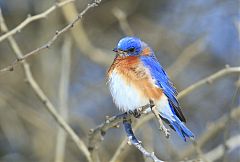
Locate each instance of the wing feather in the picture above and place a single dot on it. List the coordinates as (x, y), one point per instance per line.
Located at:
(162, 80)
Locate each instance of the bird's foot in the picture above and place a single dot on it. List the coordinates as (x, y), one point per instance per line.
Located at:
(136, 113)
(161, 126)
(165, 130)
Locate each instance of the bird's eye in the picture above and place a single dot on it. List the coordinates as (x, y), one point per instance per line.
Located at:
(131, 50)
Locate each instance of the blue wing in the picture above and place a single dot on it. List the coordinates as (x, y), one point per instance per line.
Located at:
(161, 78)
(163, 81)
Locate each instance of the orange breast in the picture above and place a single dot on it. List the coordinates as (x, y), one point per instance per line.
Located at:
(133, 72)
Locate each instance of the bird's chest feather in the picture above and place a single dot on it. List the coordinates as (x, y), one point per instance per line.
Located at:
(130, 84)
(122, 77)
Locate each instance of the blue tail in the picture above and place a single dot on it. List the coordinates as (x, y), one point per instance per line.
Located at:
(171, 118)
(180, 128)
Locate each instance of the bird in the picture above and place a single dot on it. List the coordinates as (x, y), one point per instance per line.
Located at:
(136, 78)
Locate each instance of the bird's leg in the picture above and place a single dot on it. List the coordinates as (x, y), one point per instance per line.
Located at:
(157, 115)
(127, 123)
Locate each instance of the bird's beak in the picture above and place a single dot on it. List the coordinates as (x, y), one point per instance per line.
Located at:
(115, 49)
(119, 52)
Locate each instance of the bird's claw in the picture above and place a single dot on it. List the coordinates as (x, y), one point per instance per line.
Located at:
(130, 143)
(165, 131)
(136, 113)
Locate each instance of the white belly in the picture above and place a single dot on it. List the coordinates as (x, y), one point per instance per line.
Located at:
(125, 96)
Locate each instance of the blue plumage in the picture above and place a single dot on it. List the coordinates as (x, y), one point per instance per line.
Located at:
(128, 43)
(171, 113)
(169, 110)
(161, 78)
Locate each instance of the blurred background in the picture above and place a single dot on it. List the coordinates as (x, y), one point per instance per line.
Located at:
(191, 39)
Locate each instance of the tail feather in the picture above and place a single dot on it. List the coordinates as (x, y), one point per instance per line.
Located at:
(177, 125)
(178, 130)
(181, 129)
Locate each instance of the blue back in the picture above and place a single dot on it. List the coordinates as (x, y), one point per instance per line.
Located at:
(161, 78)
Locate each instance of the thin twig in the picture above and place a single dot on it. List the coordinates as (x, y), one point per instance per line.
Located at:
(43, 98)
(208, 80)
(30, 19)
(52, 40)
(134, 141)
(63, 97)
(186, 56)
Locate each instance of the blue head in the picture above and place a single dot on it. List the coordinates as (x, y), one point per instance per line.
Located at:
(129, 46)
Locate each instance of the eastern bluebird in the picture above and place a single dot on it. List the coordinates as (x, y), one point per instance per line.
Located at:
(136, 78)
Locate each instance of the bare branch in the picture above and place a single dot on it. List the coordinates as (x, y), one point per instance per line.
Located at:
(186, 56)
(53, 39)
(121, 147)
(210, 79)
(63, 97)
(134, 141)
(30, 19)
(43, 98)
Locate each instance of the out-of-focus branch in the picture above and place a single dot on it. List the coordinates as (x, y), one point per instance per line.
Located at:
(198, 150)
(80, 37)
(52, 40)
(210, 79)
(237, 24)
(122, 19)
(216, 153)
(30, 19)
(211, 131)
(186, 56)
(43, 98)
(226, 133)
(134, 141)
(63, 97)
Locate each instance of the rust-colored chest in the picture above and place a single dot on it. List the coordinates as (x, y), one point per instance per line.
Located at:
(135, 74)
